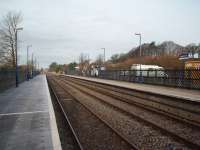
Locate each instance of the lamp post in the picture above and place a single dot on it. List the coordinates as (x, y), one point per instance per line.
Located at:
(104, 55)
(35, 64)
(140, 43)
(32, 67)
(38, 66)
(27, 67)
(16, 60)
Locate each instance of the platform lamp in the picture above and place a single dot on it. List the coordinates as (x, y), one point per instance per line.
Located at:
(16, 61)
(27, 67)
(104, 55)
(140, 43)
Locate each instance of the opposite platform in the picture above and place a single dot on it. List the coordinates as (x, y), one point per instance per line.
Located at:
(187, 94)
(27, 120)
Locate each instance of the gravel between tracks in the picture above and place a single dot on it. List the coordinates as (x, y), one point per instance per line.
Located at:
(92, 133)
(143, 135)
(189, 132)
(66, 136)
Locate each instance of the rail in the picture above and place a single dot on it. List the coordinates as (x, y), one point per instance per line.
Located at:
(65, 115)
(100, 118)
(96, 88)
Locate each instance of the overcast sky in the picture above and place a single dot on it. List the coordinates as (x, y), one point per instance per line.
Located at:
(60, 30)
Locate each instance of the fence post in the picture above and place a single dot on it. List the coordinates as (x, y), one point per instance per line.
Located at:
(190, 79)
(148, 76)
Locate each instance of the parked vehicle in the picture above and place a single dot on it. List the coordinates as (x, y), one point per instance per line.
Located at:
(125, 73)
(192, 65)
(148, 70)
(192, 70)
(94, 72)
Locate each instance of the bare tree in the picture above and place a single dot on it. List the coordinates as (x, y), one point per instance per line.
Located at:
(8, 27)
(99, 60)
(84, 62)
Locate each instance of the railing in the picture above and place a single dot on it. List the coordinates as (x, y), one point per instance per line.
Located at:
(7, 78)
(176, 78)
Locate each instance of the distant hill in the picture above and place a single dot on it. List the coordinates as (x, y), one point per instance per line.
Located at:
(165, 54)
(151, 49)
(165, 48)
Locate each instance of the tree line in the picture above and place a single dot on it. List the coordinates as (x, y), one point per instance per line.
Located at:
(83, 64)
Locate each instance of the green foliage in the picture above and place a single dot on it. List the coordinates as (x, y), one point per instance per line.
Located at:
(54, 67)
(71, 66)
(114, 58)
(118, 57)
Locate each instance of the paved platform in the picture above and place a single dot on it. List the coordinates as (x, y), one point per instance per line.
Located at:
(27, 120)
(192, 95)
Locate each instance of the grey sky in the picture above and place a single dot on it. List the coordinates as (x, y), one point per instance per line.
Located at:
(60, 30)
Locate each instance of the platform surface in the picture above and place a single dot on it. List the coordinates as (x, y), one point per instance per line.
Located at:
(193, 95)
(27, 120)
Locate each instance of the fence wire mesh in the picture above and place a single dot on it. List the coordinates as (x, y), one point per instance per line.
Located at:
(7, 78)
(189, 78)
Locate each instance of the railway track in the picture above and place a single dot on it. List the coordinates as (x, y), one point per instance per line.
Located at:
(184, 110)
(72, 140)
(181, 131)
(104, 136)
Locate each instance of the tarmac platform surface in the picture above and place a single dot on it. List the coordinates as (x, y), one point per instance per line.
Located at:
(187, 94)
(27, 120)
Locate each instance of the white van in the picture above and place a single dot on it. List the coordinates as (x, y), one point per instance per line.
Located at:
(94, 72)
(148, 70)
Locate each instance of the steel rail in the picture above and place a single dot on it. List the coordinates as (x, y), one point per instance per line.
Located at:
(123, 137)
(176, 112)
(65, 115)
(189, 143)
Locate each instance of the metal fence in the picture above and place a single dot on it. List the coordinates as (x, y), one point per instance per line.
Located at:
(176, 78)
(7, 78)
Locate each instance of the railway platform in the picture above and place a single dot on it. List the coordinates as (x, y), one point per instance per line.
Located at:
(27, 120)
(186, 94)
